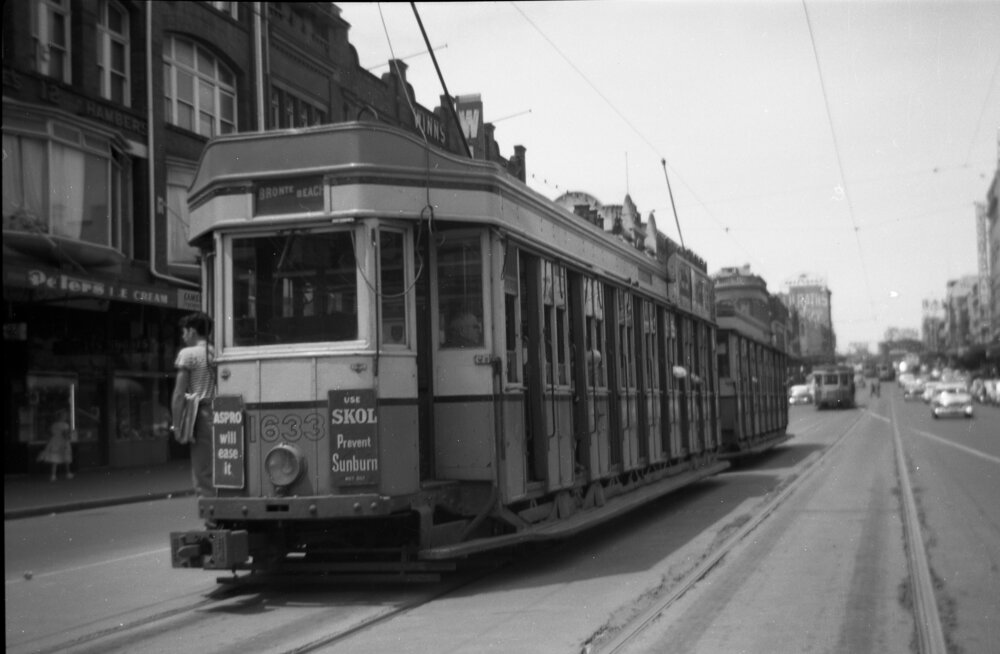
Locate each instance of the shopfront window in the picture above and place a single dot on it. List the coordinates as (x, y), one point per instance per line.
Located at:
(142, 402)
(52, 398)
(294, 288)
(64, 181)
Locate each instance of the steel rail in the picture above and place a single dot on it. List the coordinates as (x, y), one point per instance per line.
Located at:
(927, 618)
(375, 620)
(125, 627)
(625, 636)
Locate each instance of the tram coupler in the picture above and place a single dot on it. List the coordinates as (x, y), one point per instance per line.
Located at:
(214, 549)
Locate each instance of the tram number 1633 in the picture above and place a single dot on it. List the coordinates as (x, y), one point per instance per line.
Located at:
(287, 425)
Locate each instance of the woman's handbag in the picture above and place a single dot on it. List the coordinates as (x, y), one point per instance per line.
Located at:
(184, 433)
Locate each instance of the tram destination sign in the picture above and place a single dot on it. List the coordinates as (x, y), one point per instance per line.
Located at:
(228, 442)
(353, 438)
(288, 196)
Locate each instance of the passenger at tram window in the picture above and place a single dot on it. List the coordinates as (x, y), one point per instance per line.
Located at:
(465, 329)
(594, 366)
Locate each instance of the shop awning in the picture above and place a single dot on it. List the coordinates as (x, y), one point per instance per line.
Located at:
(50, 284)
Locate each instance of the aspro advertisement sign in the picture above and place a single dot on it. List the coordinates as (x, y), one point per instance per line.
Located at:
(228, 442)
(353, 419)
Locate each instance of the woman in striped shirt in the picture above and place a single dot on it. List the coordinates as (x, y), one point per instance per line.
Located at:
(196, 376)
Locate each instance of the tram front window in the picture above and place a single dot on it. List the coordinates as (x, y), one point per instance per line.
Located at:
(294, 288)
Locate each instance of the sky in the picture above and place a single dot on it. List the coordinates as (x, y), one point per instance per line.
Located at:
(848, 140)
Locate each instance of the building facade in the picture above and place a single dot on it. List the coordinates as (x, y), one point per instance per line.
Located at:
(107, 105)
(991, 221)
(932, 333)
(812, 299)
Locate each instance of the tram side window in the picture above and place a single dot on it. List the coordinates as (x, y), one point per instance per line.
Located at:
(555, 325)
(651, 341)
(294, 289)
(626, 360)
(722, 358)
(392, 287)
(460, 292)
(512, 314)
(593, 309)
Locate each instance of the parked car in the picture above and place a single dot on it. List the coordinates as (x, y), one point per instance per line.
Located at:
(951, 400)
(991, 388)
(800, 394)
(929, 391)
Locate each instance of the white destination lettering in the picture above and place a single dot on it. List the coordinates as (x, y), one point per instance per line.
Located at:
(273, 192)
(310, 192)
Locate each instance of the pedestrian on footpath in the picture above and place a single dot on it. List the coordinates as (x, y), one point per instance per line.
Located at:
(59, 449)
(196, 377)
(876, 388)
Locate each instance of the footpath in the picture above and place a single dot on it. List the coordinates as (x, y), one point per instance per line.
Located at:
(34, 495)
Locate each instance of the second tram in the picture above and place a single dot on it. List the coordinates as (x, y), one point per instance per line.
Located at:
(753, 403)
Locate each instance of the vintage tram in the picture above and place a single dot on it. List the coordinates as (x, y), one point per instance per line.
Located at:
(420, 358)
(753, 405)
(833, 387)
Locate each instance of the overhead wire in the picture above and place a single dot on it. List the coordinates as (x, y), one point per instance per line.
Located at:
(725, 229)
(982, 112)
(840, 164)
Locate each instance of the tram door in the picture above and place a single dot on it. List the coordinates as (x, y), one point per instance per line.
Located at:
(425, 396)
(686, 397)
(530, 274)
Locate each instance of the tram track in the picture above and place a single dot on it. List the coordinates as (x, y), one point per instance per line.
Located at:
(929, 637)
(927, 616)
(625, 636)
(147, 633)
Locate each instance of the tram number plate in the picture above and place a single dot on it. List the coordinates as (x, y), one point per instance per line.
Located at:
(228, 442)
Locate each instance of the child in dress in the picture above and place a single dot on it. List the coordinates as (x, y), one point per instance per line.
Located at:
(59, 449)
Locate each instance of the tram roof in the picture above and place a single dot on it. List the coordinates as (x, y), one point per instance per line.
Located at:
(353, 146)
(361, 151)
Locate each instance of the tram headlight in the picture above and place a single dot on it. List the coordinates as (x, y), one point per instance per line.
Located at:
(284, 465)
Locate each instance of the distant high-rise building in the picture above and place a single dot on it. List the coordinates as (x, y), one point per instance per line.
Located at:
(811, 297)
(932, 325)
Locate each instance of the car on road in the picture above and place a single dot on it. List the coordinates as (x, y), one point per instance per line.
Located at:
(800, 394)
(951, 400)
(929, 389)
(914, 390)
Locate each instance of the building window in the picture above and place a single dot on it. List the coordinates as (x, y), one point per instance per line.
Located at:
(229, 8)
(180, 176)
(290, 110)
(113, 61)
(52, 39)
(63, 181)
(200, 91)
